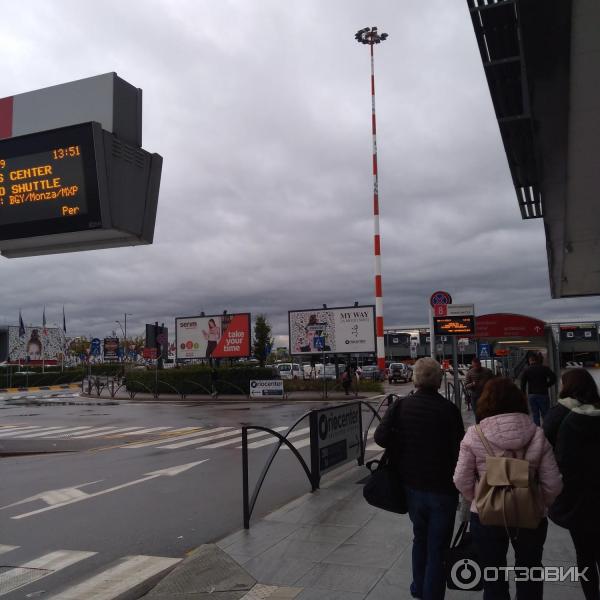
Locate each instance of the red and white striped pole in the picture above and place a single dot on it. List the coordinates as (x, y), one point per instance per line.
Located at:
(370, 36)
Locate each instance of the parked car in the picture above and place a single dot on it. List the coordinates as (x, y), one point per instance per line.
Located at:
(371, 372)
(290, 371)
(399, 372)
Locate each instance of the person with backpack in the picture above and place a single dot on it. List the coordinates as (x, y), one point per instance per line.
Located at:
(573, 428)
(507, 469)
(424, 430)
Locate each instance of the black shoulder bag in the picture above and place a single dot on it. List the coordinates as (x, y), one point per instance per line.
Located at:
(384, 488)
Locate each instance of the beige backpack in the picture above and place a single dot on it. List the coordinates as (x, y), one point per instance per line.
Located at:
(508, 494)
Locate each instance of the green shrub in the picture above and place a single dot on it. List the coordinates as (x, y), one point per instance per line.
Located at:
(39, 379)
(196, 380)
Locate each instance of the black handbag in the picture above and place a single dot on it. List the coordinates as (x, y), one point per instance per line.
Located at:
(462, 565)
(384, 489)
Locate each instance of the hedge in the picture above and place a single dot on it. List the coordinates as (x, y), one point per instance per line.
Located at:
(196, 380)
(229, 380)
(40, 379)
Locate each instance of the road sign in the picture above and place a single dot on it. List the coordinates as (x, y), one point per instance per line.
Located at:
(484, 350)
(460, 310)
(95, 346)
(440, 297)
(273, 388)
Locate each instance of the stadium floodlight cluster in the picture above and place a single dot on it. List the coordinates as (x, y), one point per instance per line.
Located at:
(369, 35)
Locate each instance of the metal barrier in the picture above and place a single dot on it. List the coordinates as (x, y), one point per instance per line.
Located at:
(313, 477)
(452, 396)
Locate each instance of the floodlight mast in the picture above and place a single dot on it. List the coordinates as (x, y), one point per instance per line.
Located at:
(369, 36)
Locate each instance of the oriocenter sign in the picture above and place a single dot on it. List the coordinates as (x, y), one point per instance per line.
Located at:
(335, 435)
(271, 388)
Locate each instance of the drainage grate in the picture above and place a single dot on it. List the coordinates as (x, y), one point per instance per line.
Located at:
(12, 578)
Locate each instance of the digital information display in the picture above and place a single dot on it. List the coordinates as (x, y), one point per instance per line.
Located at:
(464, 326)
(48, 183)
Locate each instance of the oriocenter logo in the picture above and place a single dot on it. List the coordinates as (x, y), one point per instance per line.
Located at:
(332, 423)
(188, 324)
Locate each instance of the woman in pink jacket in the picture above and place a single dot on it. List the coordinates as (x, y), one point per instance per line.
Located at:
(505, 422)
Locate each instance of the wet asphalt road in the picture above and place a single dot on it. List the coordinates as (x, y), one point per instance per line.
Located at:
(124, 493)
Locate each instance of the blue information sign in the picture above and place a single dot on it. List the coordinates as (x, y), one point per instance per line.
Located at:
(484, 350)
(95, 346)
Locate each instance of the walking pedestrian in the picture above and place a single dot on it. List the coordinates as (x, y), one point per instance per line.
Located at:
(476, 377)
(347, 380)
(536, 380)
(507, 429)
(425, 435)
(573, 427)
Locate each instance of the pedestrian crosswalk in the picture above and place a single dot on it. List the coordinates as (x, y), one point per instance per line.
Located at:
(163, 437)
(109, 583)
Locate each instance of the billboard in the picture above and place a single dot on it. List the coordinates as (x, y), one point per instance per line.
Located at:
(339, 330)
(37, 345)
(158, 334)
(111, 348)
(213, 336)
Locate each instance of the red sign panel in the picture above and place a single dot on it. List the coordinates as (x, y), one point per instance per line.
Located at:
(149, 353)
(440, 310)
(507, 325)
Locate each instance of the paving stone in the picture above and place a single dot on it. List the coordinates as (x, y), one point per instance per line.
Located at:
(362, 555)
(325, 533)
(341, 578)
(321, 594)
(278, 570)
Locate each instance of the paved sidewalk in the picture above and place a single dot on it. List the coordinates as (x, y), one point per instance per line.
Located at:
(327, 545)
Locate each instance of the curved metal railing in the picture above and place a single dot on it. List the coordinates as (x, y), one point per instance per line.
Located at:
(250, 501)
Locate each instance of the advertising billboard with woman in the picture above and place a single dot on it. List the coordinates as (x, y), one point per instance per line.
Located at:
(213, 336)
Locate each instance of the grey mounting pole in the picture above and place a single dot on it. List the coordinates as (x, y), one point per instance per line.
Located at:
(457, 394)
(431, 335)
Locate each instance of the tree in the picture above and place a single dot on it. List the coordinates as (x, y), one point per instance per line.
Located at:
(263, 342)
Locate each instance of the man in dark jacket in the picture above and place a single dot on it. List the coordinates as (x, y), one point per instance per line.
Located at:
(536, 380)
(424, 431)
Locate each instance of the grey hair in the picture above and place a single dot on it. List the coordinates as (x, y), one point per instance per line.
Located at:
(427, 373)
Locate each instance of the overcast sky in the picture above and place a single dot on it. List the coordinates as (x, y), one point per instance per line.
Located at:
(261, 110)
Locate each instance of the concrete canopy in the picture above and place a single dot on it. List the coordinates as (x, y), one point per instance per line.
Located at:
(542, 63)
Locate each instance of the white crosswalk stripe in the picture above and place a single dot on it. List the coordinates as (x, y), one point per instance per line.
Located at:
(51, 431)
(165, 437)
(110, 431)
(251, 436)
(116, 580)
(194, 433)
(24, 574)
(4, 548)
(274, 440)
(5, 433)
(204, 437)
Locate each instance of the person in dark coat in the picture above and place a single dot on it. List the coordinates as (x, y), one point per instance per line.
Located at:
(573, 428)
(424, 431)
(536, 380)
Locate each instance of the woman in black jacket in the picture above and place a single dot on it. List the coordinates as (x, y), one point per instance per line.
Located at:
(573, 428)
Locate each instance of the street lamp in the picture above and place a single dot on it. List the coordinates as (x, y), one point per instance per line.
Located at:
(370, 36)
